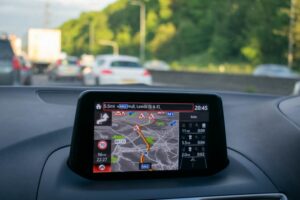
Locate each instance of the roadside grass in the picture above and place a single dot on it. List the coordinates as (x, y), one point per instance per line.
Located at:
(203, 63)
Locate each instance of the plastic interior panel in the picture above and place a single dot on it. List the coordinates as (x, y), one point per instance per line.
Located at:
(240, 177)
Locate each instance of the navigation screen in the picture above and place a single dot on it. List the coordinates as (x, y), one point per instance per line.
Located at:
(132, 137)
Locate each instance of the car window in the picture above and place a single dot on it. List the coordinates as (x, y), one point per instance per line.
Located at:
(125, 64)
(72, 62)
(6, 52)
(280, 70)
(100, 62)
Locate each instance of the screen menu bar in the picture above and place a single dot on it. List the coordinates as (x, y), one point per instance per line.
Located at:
(140, 106)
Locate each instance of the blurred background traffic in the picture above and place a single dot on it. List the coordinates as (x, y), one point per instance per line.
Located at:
(245, 46)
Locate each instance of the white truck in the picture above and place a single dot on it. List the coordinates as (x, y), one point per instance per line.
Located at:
(44, 47)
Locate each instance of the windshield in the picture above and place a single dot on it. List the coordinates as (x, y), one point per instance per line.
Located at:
(5, 50)
(208, 44)
(100, 62)
(125, 64)
(71, 61)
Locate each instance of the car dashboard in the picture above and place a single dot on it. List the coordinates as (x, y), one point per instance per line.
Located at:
(262, 134)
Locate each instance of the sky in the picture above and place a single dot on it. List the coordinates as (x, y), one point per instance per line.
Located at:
(17, 16)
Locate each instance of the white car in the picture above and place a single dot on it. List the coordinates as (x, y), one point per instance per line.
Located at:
(116, 69)
(68, 68)
(157, 65)
(274, 70)
(87, 60)
(296, 90)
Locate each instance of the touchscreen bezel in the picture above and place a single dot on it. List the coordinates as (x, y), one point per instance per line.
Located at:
(81, 152)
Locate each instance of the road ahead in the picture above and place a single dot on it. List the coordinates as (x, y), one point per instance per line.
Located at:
(42, 80)
(206, 81)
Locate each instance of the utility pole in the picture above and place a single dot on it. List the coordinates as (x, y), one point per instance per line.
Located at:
(112, 44)
(142, 27)
(291, 34)
(91, 36)
(47, 14)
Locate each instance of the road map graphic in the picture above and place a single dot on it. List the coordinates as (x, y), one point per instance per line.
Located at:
(142, 140)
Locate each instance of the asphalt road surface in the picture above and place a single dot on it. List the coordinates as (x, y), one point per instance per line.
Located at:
(239, 83)
(42, 80)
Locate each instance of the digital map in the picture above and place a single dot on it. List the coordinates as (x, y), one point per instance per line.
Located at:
(142, 140)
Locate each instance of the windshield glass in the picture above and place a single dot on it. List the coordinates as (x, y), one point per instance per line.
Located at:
(100, 62)
(5, 50)
(125, 64)
(207, 44)
(71, 61)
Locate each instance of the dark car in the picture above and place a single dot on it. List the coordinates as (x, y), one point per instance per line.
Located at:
(25, 71)
(10, 64)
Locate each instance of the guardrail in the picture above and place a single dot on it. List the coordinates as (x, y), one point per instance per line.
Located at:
(240, 83)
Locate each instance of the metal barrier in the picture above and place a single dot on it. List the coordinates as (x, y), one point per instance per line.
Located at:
(227, 82)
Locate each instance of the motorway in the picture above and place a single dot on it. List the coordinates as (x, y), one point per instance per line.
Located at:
(42, 80)
(206, 81)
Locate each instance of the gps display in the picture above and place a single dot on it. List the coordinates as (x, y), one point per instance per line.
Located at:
(144, 136)
(125, 135)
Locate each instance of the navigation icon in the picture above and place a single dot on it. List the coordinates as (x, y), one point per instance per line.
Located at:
(145, 166)
(131, 113)
(98, 106)
(103, 118)
(173, 123)
(142, 116)
(151, 116)
(102, 145)
(170, 114)
(119, 113)
(101, 167)
(136, 128)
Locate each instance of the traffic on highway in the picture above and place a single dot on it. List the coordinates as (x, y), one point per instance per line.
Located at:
(95, 46)
(150, 99)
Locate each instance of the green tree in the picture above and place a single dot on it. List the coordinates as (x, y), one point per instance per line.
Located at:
(253, 31)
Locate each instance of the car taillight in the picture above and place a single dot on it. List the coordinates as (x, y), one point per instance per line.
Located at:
(16, 63)
(25, 68)
(58, 62)
(146, 73)
(106, 72)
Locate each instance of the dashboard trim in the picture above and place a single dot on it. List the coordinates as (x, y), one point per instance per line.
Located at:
(232, 197)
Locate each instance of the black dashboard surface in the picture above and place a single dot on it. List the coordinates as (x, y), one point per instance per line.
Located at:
(263, 138)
